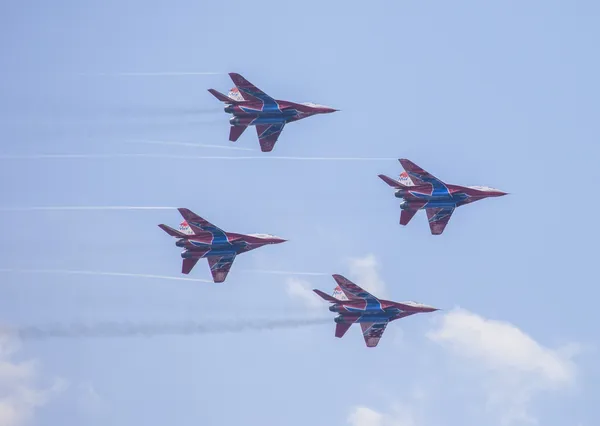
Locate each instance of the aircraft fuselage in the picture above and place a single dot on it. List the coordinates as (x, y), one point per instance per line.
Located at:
(253, 113)
(351, 319)
(449, 196)
(198, 246)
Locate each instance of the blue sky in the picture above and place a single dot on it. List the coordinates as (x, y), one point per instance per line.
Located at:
(504, 95)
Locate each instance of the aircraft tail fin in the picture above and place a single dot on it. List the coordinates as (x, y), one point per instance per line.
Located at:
(339, 294)
(234, 93)
(392, 182)
(326, 296)
(184, 227)
(405, 180)
(220, 96)
(172, 232)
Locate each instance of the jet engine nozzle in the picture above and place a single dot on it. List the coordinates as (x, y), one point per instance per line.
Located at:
(188, 254)
(229, 109)
(334, 308)
(405, 205)
(240, 121)
(180, 243)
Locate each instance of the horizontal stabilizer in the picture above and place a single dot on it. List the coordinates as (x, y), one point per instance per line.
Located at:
(341, 328)
(406, 216)
(172, 232)
(235, 132)
(326, 296)
(391, 182)
(188, 265)
(223, 98)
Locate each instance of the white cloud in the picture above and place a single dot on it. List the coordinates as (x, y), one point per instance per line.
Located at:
(19, 394)
(513, 366)
(365, 416)
(364, 271)
(495, 372)
(89, 400)
(302, 290)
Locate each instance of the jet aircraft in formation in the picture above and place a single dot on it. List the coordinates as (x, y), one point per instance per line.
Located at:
(356, 305)
(250, 106)
(201, 239)
(420, 190)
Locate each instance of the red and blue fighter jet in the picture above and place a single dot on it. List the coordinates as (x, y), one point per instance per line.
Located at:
(355, 305)
(421, 190)
(251, 106)
(202, 239)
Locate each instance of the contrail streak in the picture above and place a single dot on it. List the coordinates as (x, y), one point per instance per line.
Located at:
(187, 157)
(149, 74)
(195, 145)
(25, 209)
(265, 271)
(101, 273)
(153, 329)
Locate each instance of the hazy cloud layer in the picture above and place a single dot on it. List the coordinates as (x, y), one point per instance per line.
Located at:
(20, 393)
(504, 369)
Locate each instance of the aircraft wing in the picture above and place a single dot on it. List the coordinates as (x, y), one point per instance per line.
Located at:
(220, 266)
(199, 224)
(249, 91)
(372, 332)
(420, 177)
(268, 135)
(351, 290)
(438, 219)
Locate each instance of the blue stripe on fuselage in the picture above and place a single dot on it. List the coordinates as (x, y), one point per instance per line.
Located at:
(269, 102)
(226, 248)
(372, 305)
(282, 114)
(446, 200)
(439, 189)
(219, 237)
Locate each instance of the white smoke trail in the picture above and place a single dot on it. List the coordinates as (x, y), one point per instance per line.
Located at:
(41, 208)
(265, 271)
(187, 157)
(102, 273)
(149, 74)
(195, 145)
(153, 329)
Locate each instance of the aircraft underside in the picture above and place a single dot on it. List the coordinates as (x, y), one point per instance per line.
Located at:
(425, 204)
(362, 318)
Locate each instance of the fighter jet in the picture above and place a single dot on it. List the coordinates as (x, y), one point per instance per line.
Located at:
(420, 190)
(251, 106)
(355, 305)
(202, 239)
